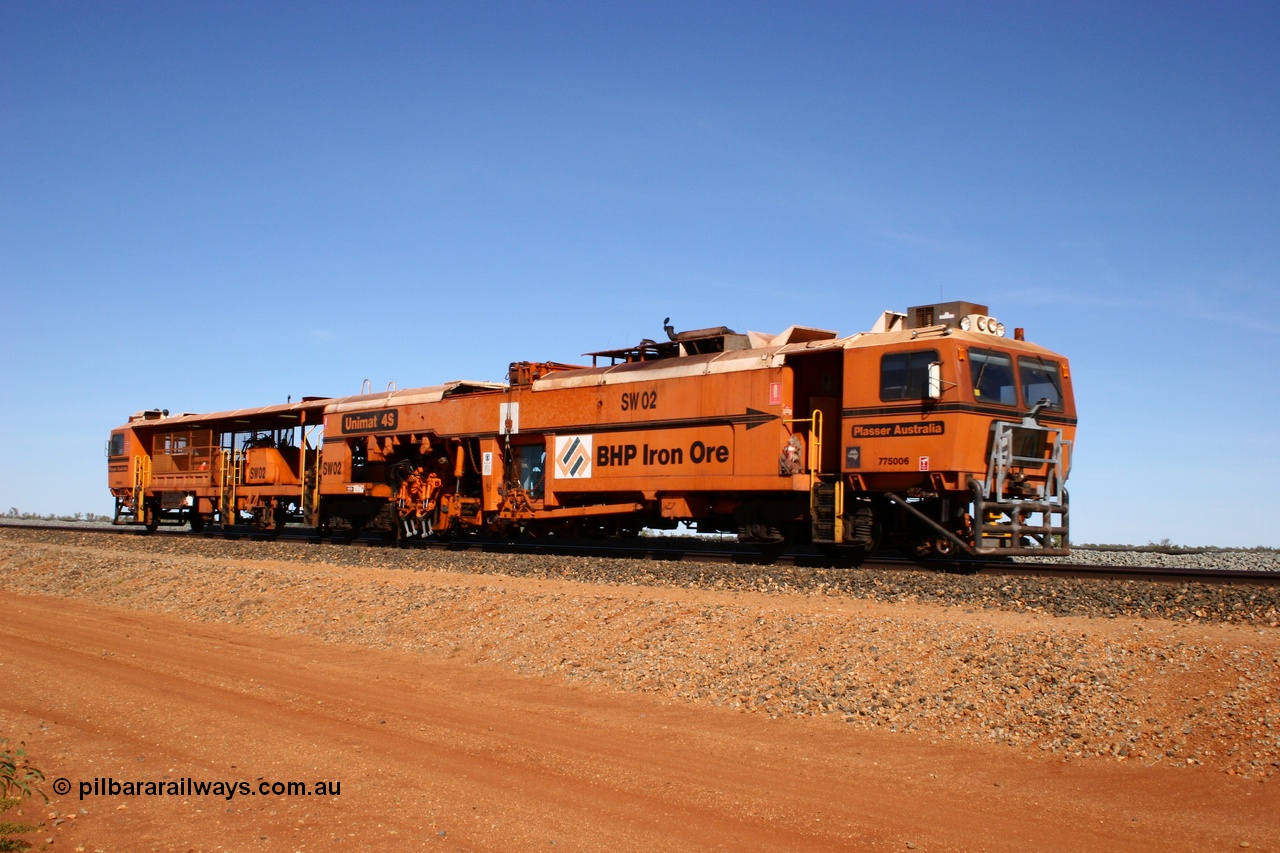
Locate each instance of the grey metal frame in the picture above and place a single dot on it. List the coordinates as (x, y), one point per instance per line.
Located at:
(1017, 535)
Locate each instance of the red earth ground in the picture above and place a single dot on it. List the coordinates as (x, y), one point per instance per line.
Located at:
(444, 754)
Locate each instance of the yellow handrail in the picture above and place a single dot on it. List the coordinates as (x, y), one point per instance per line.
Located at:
(232, 468)
(141, 479)
(310, 510)
(815, 447)
(223, 468)
(302, 473)
(815, 472)
(815, 442)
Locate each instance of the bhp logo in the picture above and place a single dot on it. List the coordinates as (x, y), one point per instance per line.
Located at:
(573, 457)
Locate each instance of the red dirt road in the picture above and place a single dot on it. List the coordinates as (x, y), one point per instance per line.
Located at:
(447, 755)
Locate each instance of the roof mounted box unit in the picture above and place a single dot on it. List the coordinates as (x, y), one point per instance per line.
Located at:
(942, 314)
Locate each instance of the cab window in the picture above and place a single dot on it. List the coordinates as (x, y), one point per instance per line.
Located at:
(905, 375)
(533, 463)
(117, 444)
(992, 374)
(1040, 381)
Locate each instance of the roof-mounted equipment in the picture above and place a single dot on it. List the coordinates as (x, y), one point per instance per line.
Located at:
(696, 342)
(966, 316)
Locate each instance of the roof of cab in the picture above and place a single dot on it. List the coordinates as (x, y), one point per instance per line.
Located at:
(410, 396)
(244, 420)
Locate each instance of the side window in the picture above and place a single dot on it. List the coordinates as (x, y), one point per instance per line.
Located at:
(905, 375)
(533, 463)
(992, 374)
(1040, 381)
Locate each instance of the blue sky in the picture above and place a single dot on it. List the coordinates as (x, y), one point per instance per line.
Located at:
(208, 206)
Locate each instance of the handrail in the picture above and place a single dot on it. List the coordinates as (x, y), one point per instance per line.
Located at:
(224, 469)
(1005, 523)
(309, 508)
(232, 470)
(815, 474)
(815, 447)
(815, 442)
(141, 479)
(1004, 459)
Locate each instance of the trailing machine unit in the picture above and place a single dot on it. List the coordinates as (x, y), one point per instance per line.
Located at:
(933, 432)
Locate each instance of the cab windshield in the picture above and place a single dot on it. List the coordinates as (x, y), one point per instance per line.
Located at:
(1040, 381)
(996, 381)
(992, 374)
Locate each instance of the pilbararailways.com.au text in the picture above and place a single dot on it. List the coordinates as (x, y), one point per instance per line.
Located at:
(188, 787)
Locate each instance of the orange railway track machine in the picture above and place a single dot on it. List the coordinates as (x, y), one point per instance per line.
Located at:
(932, 431)
(247, 466)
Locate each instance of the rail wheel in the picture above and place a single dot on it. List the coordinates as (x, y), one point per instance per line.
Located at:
(353, 531)
(919, 549)
(151, 515)
(197, 521)
(769, 540)
(773, 550)
(396, 533)
(279, 518)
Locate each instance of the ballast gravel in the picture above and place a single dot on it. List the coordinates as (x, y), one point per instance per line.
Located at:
(1178, 674)
(1208, 559)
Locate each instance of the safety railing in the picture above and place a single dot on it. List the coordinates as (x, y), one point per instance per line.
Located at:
(1027, 447)
(231, 475)
(826, 498)
(815, 443)
(310, 495)
(141, 480)
(1036, 519)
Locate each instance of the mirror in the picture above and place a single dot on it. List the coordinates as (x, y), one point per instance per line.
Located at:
(935, 380)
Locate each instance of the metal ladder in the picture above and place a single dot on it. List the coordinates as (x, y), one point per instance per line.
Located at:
(826, 508)
(232, 476)
(826, 492)
(141, 479)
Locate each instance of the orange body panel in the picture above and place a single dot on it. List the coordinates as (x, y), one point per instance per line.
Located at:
(267, 466)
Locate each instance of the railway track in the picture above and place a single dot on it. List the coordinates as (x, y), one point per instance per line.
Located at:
(675, 551)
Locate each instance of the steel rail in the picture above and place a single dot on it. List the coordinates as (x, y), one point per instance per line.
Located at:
(736, 555)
